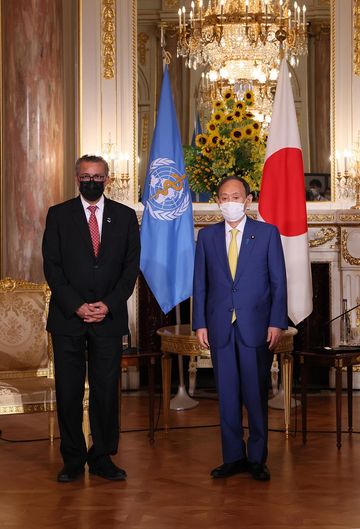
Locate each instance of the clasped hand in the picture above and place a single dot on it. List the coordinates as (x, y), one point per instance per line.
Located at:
(92, 312)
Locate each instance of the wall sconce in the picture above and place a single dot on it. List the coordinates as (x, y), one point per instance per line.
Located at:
(348, 179)
(119, 183)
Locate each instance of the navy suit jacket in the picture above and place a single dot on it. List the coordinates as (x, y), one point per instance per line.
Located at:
(258, 293)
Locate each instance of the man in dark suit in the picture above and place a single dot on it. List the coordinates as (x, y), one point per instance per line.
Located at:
(239, 309)
(91, 259)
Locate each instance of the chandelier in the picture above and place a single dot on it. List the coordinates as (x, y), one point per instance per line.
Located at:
(236, 37)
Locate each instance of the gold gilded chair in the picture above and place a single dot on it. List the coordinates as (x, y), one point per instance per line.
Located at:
(26, 356)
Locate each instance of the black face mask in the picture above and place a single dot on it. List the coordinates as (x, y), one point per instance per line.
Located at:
(91, 190)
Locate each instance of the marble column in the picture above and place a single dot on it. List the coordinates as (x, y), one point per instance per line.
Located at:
(33, 136)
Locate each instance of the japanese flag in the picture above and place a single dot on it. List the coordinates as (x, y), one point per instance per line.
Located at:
(282, 197)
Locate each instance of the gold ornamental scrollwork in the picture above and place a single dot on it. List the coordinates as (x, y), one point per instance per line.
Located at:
(171, 3)
(182, 345)
(142, 41)
(108, 25)
(202, 220)
(352, 217)
(320, 217)
(145, 133)
(322, 237)
(356, 37)
(345, 252)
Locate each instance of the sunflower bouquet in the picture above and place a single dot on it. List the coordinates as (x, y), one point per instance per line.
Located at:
(233, 144)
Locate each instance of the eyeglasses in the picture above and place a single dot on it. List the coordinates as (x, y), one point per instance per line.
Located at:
(95, 177)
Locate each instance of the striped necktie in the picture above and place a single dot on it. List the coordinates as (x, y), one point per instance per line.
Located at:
(233, 259)
(94, 229)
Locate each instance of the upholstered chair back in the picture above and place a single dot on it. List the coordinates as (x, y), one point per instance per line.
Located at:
(24, 347)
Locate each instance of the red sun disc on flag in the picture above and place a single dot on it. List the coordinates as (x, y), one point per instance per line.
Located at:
(283, 192)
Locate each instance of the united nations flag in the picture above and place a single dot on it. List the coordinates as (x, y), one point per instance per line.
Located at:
(167, 230)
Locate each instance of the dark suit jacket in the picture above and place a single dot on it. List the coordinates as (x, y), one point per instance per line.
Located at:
(76, 276)
(258, 293)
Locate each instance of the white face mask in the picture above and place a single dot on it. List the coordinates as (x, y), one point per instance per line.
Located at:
(232, 211)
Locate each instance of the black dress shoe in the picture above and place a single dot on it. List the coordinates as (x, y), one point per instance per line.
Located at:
(259, 471)
(106, 469)
(230, 469)
(70, 473)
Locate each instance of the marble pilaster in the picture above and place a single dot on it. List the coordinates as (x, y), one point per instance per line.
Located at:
(33, 139)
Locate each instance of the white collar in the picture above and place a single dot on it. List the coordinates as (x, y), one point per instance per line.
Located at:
(239, 227)
(99, 203)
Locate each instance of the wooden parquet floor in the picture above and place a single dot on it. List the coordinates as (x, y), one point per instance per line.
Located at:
(169, 487)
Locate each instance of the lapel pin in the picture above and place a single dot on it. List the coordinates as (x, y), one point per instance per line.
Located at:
(252, 237)
(108, 219)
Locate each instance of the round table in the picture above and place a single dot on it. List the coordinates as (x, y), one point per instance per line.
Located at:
(181, 340)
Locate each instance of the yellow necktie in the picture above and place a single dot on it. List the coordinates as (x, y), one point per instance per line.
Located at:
(233, 253)
(233, 259)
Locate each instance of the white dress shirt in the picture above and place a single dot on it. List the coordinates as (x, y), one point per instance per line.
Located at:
(240, 227)
(98, 213)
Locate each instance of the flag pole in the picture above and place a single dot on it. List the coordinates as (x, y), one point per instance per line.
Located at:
(182, 400)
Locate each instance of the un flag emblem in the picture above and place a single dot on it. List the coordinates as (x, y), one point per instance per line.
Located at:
(169, 196)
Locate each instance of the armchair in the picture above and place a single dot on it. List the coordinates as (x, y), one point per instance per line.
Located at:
(26, 357)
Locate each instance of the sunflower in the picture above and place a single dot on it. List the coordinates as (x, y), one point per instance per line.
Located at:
(200, 140)
(249, 115)
(213, 139)
(248, 131)
(221, 142)
(238, 115)
(236, 134)
(207, 151)
(229, 94)
(218, 116)
(249, 97)
(256, 126)
(229, 118)
(218, 104)
(240, 105)
(211, 126)
(256, 138)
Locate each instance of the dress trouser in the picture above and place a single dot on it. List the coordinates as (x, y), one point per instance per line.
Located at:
(103, 354)
(242, 376)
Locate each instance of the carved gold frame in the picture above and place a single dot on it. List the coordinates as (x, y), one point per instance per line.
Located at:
(351, 259)
(1, 148)
(9, 285)
(332, 98)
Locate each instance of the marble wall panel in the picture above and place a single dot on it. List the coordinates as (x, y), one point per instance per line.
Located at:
(32, 149)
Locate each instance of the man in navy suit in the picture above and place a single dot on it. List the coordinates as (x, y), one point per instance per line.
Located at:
(239, 311)
(91, 250)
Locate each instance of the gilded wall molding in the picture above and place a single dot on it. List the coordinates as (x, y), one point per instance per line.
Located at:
(171, 3)
(135, 105)
(352, 260)
(356, 37)
(333, 98)
(350, 217)
(108, 27)
(203, 220)
(320, 217)
(323, 236)
(143, 39)
(145, 133)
